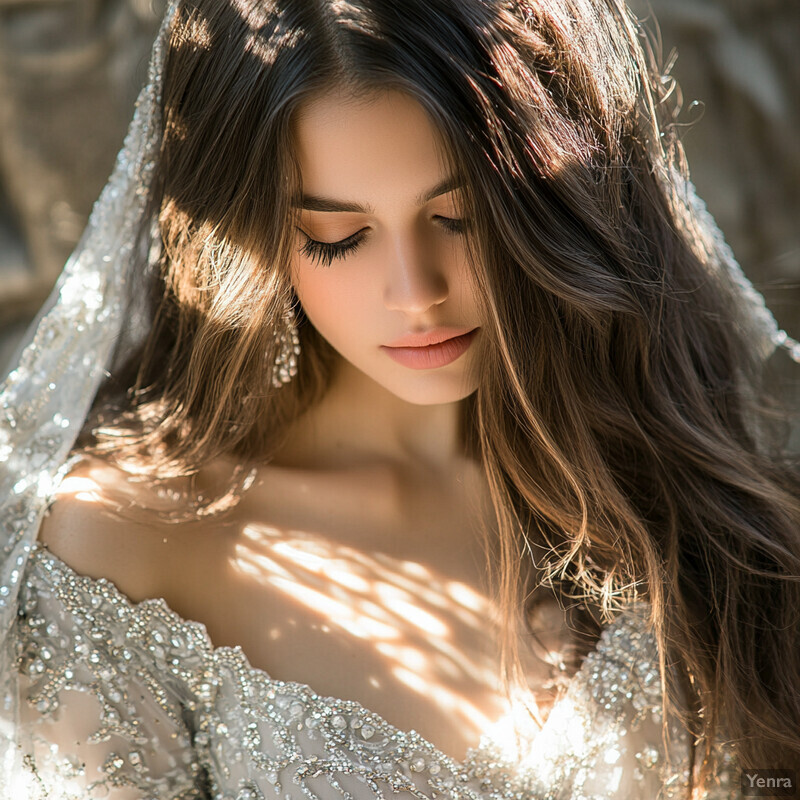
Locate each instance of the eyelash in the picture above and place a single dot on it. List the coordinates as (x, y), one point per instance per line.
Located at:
(326, 252)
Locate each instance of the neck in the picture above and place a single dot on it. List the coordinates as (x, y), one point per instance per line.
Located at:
(359, 421)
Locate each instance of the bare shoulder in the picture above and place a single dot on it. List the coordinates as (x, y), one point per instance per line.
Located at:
(96, 526)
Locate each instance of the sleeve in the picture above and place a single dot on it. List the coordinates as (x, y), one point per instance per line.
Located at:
(604, 737)
(98, 715)
(610, 733)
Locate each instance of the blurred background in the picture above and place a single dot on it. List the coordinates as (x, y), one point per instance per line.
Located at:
(70, 71)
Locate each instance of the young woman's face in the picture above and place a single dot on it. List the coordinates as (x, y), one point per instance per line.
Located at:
(392, 260)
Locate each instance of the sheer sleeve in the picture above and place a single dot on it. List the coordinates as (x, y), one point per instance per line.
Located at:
(100, 711)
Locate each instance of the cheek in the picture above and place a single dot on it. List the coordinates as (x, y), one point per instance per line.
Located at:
(335, 303)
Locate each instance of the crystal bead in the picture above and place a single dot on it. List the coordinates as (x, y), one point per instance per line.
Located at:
(367, 731)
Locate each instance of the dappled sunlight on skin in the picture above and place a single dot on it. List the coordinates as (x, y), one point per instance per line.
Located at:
(431, 634)
(360, 625)
(401, 602)
(368, 620)
(84, 489)
(257, 565)
(453, 702)
(465, 596)
(462, 601)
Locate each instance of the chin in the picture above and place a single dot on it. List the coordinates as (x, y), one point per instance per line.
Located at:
(434, 390)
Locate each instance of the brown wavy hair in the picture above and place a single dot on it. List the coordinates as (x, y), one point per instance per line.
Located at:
(630, 446)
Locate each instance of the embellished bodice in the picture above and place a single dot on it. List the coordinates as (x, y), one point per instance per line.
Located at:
(129, 700)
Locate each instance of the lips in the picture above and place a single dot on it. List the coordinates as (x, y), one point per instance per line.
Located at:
(431, 356)
(435, 336)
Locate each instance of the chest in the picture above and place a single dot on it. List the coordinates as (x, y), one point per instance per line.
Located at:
(373, 592)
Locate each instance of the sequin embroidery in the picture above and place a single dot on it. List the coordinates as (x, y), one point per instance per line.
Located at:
(237, 733)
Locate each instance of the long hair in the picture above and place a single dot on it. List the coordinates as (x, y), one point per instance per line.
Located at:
(629, 445)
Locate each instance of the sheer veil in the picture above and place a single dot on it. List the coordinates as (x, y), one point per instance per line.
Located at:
(64, 357)
(92, 313)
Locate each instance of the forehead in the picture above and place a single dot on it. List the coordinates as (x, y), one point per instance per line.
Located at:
(383, 146)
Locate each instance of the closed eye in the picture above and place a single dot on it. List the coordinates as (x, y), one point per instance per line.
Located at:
(325, 252)
(453, 225)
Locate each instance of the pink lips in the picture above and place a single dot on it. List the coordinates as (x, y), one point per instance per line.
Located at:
(429, 351)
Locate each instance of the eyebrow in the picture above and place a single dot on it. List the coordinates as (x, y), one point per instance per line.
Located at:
(310, 202)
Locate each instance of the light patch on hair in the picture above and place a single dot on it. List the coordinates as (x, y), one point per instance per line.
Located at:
(196, 33)
(267, 36)
(175, 128)
(267, 50)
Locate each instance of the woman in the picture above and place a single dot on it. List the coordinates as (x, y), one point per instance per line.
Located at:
(310, 195)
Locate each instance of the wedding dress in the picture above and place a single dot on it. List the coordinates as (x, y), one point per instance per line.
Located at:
(133, 695)
(101, 697)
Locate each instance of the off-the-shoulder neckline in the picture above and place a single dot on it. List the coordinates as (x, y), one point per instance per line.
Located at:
(235, 652)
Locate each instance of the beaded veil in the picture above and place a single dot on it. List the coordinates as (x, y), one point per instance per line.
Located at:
(64, 358)
(71, 345)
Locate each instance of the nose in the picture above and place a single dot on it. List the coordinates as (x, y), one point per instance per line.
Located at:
(413, 282)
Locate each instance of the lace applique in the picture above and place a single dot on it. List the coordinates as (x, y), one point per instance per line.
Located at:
(237, 733)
